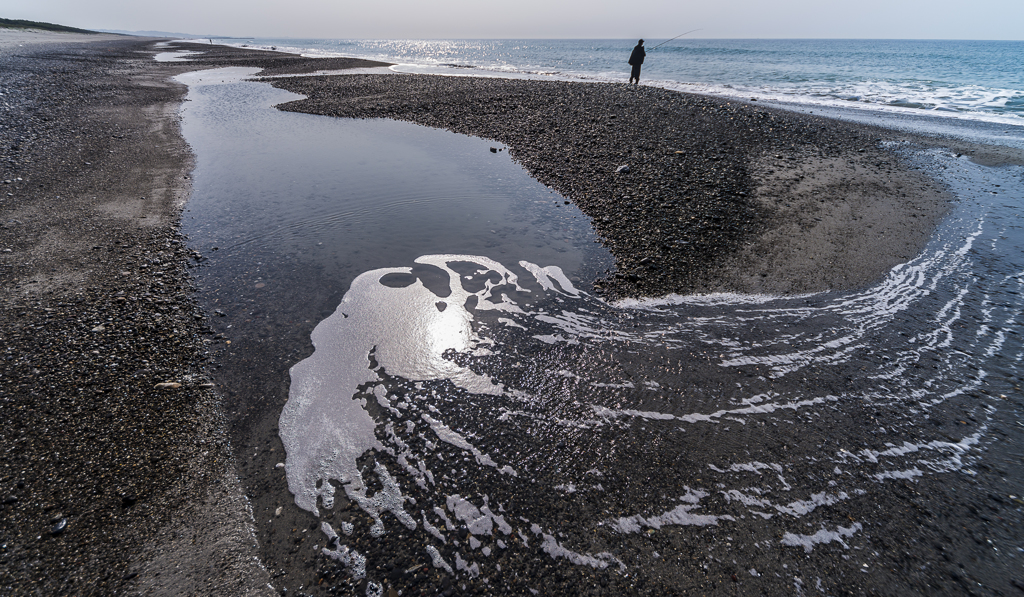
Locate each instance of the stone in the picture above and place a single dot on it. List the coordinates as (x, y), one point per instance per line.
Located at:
(59, 527)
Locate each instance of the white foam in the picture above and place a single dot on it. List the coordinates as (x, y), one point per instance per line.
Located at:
(907, 474)
(351, 559)
(479, 521)
(803, 507)
(545, 275)
(436, 532)
(445, 434)
(611, 413)
(823, 536)
(556, 550)
(437, 560)
(444, 516)
(678, 516)
(473, 570)
(400, 330)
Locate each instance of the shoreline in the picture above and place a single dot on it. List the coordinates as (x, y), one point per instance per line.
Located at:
(97, 310)
(707, 178)
(173, 499)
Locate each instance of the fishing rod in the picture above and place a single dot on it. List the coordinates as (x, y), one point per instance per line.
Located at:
(676, 37)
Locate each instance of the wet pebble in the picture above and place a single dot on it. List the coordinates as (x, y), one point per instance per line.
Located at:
(59, 527)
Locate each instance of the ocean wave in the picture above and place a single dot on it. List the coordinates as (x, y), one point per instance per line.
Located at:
(1003, 106)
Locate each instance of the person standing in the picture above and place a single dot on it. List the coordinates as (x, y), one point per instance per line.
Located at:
(636, 58)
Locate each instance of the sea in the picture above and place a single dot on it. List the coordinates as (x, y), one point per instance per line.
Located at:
(975, 80)
(427, 395)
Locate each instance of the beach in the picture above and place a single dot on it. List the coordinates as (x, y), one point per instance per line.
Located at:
(97, 313)
(731, 197)
(119, 473)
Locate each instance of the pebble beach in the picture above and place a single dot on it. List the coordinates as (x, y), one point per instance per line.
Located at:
(117, 475)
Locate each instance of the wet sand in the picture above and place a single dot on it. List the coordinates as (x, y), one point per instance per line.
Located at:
(114, 485)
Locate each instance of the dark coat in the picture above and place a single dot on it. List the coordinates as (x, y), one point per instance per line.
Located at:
(636, 58)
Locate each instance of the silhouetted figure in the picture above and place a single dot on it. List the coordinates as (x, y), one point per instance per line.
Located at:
(636, 58)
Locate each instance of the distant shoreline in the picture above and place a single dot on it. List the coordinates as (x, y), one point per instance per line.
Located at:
(17, 37)
(40, 26)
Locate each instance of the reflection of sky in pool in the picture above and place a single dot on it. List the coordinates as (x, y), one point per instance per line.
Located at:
(354, 195)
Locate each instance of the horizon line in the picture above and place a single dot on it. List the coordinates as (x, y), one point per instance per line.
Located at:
(646, 39)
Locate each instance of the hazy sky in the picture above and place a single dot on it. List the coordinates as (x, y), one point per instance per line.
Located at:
(402, 19)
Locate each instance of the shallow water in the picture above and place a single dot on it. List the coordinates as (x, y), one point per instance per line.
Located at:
(770, 418)
(471, 407)
(328, 189)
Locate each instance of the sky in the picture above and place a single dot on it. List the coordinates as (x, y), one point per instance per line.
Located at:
(602, 19)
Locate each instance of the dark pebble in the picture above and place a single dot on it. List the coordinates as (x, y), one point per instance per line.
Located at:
(59, 528)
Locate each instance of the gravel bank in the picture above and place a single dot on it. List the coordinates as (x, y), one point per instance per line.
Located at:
(691, 194)
(102, 470)
(110, 484)
(271, 63)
